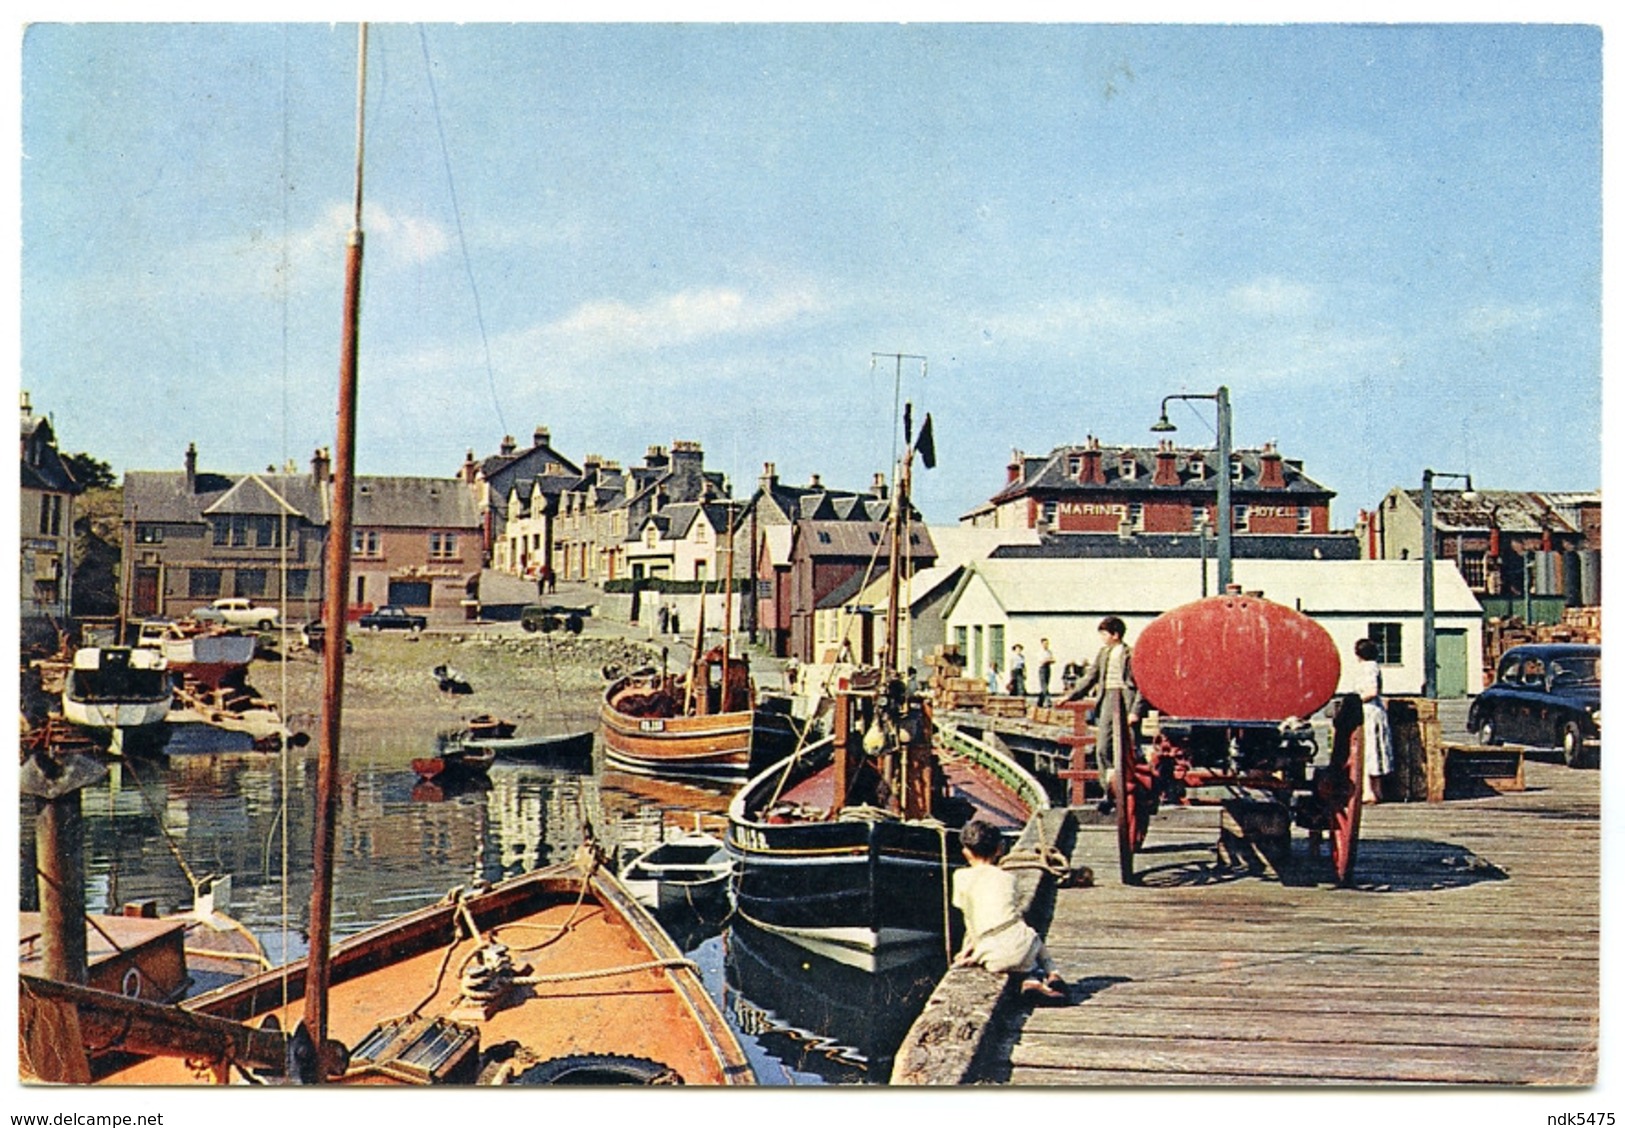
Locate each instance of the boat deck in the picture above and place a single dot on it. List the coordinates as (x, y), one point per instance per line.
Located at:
(632, 1010)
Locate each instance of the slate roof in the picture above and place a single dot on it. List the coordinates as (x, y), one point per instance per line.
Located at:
(431, 503)
(1052, 473)
(848, 539)
(161, 496)
(1164, 546)
(45, 470)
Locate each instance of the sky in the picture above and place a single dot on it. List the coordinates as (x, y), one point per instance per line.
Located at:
(1385, 240)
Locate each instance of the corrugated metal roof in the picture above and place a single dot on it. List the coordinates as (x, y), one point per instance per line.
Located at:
(1511, 511)
(1169, 546)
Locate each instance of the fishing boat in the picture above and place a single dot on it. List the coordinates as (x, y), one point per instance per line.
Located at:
(487, 726)
(557, 975)
(701, 725)
(688, 870)
(706, 723)
(847, 846)
(116, 688)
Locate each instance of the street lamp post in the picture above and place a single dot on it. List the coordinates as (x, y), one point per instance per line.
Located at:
(1430, 638)
(1221, 400)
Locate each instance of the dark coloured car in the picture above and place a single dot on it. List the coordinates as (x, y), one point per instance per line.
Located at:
(1545, 695)
(390, 617)
(544, 618)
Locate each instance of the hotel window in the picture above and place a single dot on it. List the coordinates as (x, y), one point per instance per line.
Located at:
(442, 546)
(367, 543)
(1305, 519)
(1136, 516)
(1126, 467)
(1048, 514)
(1238, 518)
(1236, 469)
(1074, 465)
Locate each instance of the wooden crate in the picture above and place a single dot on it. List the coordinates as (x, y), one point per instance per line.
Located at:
(1001, 705)
(1418, 761)
(1473, 770)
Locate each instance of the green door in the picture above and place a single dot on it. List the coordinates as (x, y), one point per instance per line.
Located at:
(1452, 668)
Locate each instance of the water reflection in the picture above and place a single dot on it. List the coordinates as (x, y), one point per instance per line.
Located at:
(156, 823)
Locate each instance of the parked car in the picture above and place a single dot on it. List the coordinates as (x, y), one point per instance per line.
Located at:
(545, 618)
(1547, 695)
(391, 617)
(238, 612)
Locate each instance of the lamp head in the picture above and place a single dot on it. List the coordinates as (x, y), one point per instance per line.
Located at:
(1162, 426)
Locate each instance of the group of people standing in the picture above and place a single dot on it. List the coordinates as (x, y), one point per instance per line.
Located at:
(1108, 685)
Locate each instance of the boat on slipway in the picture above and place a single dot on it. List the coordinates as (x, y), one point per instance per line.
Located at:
(117, 688)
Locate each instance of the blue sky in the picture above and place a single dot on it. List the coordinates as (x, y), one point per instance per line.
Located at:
(1385, 240)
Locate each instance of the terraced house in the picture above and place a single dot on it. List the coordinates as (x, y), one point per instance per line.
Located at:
(46, 513)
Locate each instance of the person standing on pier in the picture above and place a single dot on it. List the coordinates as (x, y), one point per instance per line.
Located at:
(1046, 666)
(1109, 685)
(1379, 744)
(996, 936)
(1018, 671)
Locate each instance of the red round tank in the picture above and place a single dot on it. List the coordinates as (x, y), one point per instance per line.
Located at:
(1236, 658)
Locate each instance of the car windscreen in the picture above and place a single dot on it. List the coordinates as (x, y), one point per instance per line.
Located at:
(1574, 671)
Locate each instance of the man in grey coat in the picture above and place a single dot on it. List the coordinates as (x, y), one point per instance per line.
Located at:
(1109, 684)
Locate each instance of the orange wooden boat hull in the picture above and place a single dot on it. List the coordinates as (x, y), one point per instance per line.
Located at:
(604, 984)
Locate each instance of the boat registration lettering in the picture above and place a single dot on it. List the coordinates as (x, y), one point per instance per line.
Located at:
(651, 724)
(750, 838)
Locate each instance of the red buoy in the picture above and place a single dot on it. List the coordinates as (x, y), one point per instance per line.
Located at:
(1236, 658)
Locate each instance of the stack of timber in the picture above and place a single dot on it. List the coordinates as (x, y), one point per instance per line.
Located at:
(961, 693)
(999, 705)
(1579, 624)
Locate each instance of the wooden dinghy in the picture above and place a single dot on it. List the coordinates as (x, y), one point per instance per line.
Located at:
(555, 976)
(460, 762)
(689, 870)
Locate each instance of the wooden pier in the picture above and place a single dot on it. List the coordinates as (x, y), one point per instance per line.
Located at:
(1466, 953)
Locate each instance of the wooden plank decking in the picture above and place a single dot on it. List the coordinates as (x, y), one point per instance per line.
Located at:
(1467, 952)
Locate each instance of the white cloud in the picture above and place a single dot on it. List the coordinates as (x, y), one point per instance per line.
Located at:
(613, 325)
(1275, 297)
(1498, 317)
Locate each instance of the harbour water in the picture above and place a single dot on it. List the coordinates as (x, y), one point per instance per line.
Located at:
(205, 807)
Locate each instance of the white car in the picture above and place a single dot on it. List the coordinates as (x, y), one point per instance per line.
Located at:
(238, 613)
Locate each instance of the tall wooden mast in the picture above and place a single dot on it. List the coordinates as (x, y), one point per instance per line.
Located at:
(335, 612)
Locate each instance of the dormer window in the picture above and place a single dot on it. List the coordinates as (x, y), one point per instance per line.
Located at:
(1126, 467)
(651, 536)
(1236, 469)
(1198, 468)
(1074, 465)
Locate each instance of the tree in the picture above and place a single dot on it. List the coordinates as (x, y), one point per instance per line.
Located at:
(90, 471)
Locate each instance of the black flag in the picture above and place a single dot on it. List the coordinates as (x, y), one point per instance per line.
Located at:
(926, 448)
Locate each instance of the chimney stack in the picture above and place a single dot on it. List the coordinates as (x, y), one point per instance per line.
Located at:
(816, 483)
(321, 465)
(1012, 469)
(1092, 474)
(191, 468)
(770, 478)
(508, 445)
(470, 468)
(1270, 476)
(542, 437)
(1167, 472)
